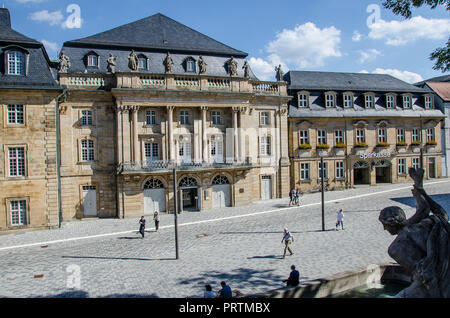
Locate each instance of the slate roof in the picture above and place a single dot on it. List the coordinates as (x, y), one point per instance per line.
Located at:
(38, 66)
(331, 81)
(443, 78)
(442, 89)
(158, 32)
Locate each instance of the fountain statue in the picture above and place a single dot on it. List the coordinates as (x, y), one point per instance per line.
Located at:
(422, 245)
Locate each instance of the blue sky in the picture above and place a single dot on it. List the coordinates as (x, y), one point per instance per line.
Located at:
(322, 35)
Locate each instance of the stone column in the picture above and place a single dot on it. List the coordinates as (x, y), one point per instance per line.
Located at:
(170, 141)
(134, 111)
(119, 128)
(204, 137)
(235, 133)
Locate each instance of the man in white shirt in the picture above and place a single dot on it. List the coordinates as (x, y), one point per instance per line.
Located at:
(288, 239)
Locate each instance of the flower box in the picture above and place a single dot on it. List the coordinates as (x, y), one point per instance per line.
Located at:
(382, 145)
(304, 147)
(361, 145)
(323, 146)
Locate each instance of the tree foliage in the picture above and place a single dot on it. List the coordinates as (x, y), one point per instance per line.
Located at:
(441, 56)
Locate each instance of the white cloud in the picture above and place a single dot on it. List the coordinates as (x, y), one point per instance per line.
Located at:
(406, 76)
(50, 46)
(356, 36)
(265, 70)
(368, 56)
(407, 31)
(54, 18)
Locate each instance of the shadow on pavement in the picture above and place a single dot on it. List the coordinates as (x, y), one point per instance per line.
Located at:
(121, 258)
(84, 294)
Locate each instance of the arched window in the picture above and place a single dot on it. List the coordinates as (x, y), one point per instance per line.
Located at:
(187, 182)
(153, 184)
(218, 180)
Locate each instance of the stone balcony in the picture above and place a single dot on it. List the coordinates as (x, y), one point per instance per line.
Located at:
(173, 82)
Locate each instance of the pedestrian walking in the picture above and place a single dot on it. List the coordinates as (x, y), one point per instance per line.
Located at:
(142, 226)
(225, 292)
(156, 219)
(287, 239)
(297, 196)
(208, 292)
(294, 278)
(291, 197)
(340, 220)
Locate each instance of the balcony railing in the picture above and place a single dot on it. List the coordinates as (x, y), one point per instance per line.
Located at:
(270, 88)
(87, 81)
(166, 165)
(153, 81)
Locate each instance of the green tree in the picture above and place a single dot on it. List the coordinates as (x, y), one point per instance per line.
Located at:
(441, 55)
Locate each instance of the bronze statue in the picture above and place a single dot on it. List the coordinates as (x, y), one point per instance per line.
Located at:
(64, 62)
(422, 246)
(201, 65)
(232, 66)
(133, 61)
(111, 63)
(168, 63)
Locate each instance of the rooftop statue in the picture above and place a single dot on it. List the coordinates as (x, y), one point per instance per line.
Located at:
(246, 68)
(64, 62)
(111, 63)
(232, 66)
(202, 65)
(133, 61)
(279, 73)
(168, 63)
(422, 245)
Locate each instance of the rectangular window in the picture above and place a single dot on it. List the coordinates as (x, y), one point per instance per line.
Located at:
(329, 99)
(339, 136)
(87, 150)
(321, 137)
(401, 135)
(360, 135)
(370, 101)
(264, 118)
(390, 101)
(428, 102)
(304, 137)
(152, 151)
(416, 163)
(348, 100)
(406, 102)
(304, 172)
(142, 63)
(265, 146)
(184, 151)
(302, 100)
(430, 135)
(216, 149)
(16, 114)
(190, 66)
(216, 118)
(16, 162)
(150, 117)
(325, 170)
(86, 118)
(15, 63)
(184, 117)
(18, 210)
(402, 166)
(340, 170)
(416, 135)
(93, 60)
(382, 135)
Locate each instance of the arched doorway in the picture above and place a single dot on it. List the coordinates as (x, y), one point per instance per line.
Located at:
(383, 171)
(188, 194)
(154, 196)
(361, 173)
(221, 192)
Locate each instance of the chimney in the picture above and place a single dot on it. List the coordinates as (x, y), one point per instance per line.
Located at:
(5, 19)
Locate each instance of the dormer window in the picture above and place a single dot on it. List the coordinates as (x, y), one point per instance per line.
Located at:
(348, 100)
(330, 99)
(390, 101)
(303, 99)
(369, 100)
(428, 102)
(92, 59)
(15, 63)
(142, 62)
(406, 101)
(189, 65)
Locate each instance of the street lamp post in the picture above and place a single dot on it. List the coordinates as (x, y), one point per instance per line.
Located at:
(175, 210)
(323, 189)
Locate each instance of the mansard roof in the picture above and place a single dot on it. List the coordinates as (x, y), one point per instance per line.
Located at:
(157, 32)
(334, 81)
(39, 68)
